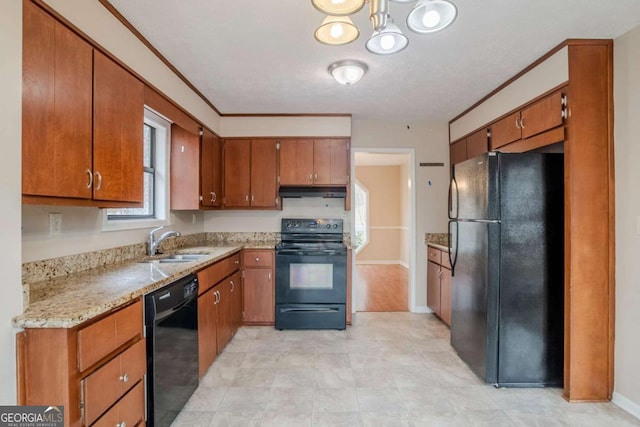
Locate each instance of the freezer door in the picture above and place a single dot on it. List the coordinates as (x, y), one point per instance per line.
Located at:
(477, 188)
(474, 297)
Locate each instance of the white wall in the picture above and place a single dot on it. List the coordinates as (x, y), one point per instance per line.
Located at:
(430, 142)
(82, 231)
(10, 189)
(627, 177)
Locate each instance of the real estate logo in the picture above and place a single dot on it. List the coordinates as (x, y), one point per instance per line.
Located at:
(31, 416)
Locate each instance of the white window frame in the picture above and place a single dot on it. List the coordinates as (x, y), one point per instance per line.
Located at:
(161, 180)
(357, 183)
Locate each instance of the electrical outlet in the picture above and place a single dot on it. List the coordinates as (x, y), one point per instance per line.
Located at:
(55, 223)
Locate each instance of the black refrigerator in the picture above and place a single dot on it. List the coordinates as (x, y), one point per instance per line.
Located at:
(506, 235)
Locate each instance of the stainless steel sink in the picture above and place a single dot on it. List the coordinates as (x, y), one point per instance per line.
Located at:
(175, 258)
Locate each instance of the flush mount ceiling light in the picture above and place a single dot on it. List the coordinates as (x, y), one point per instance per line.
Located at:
(348, 71)
(428, 16)
(338, 7)
(337, 30)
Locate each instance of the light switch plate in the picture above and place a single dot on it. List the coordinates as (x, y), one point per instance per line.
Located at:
(55, 223)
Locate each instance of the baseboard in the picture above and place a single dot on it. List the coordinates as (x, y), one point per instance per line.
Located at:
(385, 262)
(628, 405)
(421, 309)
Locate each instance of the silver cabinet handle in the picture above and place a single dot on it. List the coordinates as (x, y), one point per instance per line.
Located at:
(257, 259)
(233, 285)
(518, 123)
(236, 262)
(213, 199)
(252, 198)
(269, 276)
(522, 123)
(246, 198)
(219, 297)
(90, 183)
(122, 424)
(99, 178)
(315, 176)
(124, 378)
(310, 177)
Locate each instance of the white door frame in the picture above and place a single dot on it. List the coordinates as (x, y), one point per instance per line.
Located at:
(412, 222)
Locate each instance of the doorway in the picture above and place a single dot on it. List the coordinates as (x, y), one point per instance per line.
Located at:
(382, 237)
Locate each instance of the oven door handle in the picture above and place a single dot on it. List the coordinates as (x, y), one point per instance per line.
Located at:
(309, 310)
(310, 253)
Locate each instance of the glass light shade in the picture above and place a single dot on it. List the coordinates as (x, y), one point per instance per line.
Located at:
(388, 41)
(403, 1)
(348, 71)
(338, 7)
(429, 16)
(336, 30)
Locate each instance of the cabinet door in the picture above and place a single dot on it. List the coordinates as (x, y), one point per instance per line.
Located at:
(235, 314)
(296, 162)
(505, 130)
(259, 304)
(56, 108)
(458, 152)
(185, 167)
(264, 173)
(433, 287)
(477, 143)
(330, 161)
(118, 119)
(210, 170)
(543, 115)
(207, 330)
(237, 176)
(339, 162)
(445, 295)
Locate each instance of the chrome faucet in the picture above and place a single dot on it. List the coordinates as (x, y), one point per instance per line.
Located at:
(153, 242)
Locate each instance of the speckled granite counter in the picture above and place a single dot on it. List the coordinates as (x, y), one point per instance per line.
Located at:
(437, 240)
(59, 293)
(67, 301)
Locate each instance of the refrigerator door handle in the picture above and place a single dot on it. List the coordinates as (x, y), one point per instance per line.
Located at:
(453, 187)
(453, 249)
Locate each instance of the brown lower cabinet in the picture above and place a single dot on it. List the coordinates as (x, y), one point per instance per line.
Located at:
(219, 308)
(258, 287)
(95, 370)
(439, 283)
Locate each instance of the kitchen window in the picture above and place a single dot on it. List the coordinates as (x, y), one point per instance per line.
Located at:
(156, 137)
(361, 216)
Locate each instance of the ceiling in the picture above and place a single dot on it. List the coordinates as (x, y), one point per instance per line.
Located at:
(260, 57)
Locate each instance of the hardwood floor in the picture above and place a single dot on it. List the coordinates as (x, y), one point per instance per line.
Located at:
(381, 287)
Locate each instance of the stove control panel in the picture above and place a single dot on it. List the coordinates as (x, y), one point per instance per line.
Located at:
(312, 226)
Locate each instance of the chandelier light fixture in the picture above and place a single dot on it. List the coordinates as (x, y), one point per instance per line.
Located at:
(347, 71)
(427, 16)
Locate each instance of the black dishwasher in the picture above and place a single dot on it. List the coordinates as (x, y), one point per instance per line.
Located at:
(171, 326)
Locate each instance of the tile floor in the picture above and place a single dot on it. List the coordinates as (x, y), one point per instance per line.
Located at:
(388, 369)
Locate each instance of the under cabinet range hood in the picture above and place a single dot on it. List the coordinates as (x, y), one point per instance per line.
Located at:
(326, 192)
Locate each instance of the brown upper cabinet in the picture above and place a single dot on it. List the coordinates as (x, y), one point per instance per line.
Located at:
(469, 147)
(210, 170)
(82, 120)
(541, 116)
(251, 173)
(185, 173)
(314, 162)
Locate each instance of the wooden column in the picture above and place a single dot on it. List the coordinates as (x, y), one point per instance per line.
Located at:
(589, 223)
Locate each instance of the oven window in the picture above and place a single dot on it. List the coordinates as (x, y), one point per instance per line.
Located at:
(311, 276)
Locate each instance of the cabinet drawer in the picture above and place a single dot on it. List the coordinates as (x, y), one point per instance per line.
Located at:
(105, 336)
(257, 259)
(233, 263)
(105, 386)
(433, 254)
(129, 411)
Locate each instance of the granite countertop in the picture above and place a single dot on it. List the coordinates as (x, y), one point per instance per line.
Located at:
(67, 301)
